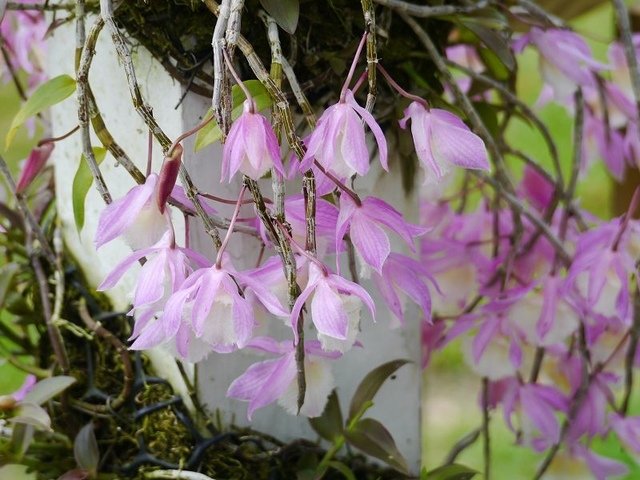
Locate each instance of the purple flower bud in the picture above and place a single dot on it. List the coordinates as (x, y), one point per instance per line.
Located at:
(34, 164)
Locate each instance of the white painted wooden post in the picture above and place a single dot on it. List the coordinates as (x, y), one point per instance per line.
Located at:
(397, 405)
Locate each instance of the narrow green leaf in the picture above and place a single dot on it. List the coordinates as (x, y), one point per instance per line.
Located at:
(6, 276)
(493, 40)
(48, 388)
(330, 424)
(211, 132)
(451, 472)
(371, 384)
(85, 449)
(374, 439)
(46, 95)
(343, 469)
(81, 184)
(284, 12)
(21, 438)
(17, 472)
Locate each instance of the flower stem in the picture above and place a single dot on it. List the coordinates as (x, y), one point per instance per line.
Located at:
(61, 137)
(252, 105)
(633, 206)
(401, 90)
(231, 225)
(352, 70)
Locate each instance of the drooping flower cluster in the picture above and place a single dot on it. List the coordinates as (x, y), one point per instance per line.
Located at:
(544, 310)
(192, 306)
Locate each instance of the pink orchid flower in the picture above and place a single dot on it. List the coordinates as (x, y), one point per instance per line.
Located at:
(565, 61)
(339, 143)
(537, 406)
(601, 274)
(442, 140)
(627, 429)
(164, 272)
(602, 468)
(335, 307)
(136, 216)
(270, 380)
(364, 225)
(208, 313)
(251, 147)
(23, 35)
(402, 277)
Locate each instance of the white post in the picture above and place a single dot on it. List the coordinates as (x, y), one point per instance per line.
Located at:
(397, 405)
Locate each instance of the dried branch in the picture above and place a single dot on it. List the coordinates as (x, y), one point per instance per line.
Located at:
(83, 62)
(219, 72)
(428, 11)
(29, 220)
(368, 10)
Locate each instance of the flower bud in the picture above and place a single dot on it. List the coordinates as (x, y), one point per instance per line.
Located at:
(168, 176)
(34, 164)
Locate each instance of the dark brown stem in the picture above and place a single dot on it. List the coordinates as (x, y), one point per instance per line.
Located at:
(121, 348)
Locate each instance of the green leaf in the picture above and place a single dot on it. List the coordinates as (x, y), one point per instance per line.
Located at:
(451, 472)
(85, 449)
(489, 116)
(81, 184)
(343, 469)
(48, 94)
(31, 414)
(284, 12)
(211, 133)
(17, 472)
(48, 388)
(330, 424)
(493, 40)
(371, 384)
(21, 438)
(374, 439)
(6, 276)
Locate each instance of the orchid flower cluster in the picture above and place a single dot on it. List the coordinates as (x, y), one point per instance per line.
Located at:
(23, 40)
(541, 294)
(192, 306)
(551, 335)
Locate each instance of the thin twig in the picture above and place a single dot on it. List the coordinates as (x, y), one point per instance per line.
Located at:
(29, 220)
(55, 338)
(40, 6)
(123, 352)
(515, 202)
(429, 11)
(626, 36)
(486, 446)
(462, 444)
(576, 403)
